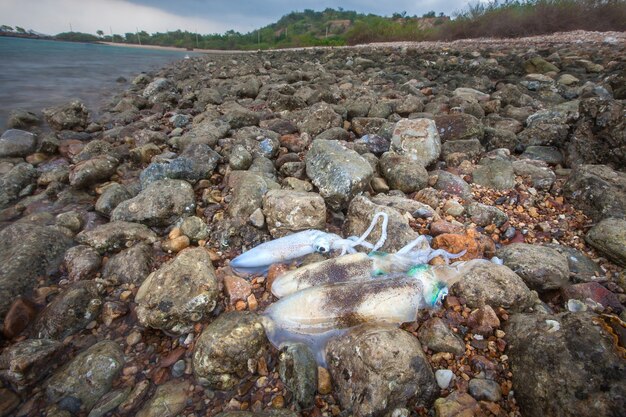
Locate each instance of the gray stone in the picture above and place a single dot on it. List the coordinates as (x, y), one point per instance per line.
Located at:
(470, 147)
(403, 172)
(82, 262)
(318, 118)
(581, 267)
(339, 173)
(93, 149)
(404, 205)
(207, 132)
(418, 138)
(609, 237)
(485, 389)
(542, 177)
(248, 189)
(14, 142)
(438, 337)
(29, 361)
(90, 172)
(484, 215)
(238, 116)
(575, 370)
(27, 251)
(161, 203)
(227, 347)
(168, 400)
(598, 191)
(180, 293)
(500, 138)
(281, 412)
(544, 134)
(334, 133)
(196, 162)
(541, 267)
(549, 154)
(372, 143)
(444, 377)
(114, 236)
(292, 211)
(194, 228)
(486, 283)
(452, 184)
(72, 115)
(458, 126)
(111, 197)
(377, 369)
(495, 173)
(209, 96)
(70, 311)
(240, 158)
(159, 85)
(109, 402)
(13, 182)
(22, 119)
(88, 376)
(298, 370)
(362, 126)
(130, 266)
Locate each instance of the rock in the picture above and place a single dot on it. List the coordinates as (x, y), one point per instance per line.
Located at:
(8, 401)
(130, 266)
(82, 262)
(168, 400)
(161, 203)
(377, 369)
(292, 211)
(538, 65)
(453, 208)
(236, 288)
(238, 116)
(496, 285)
(417, 138)
(575, 370)
(196, 162)
(318, 118)
(581, 267)
(109, 402)
(483, 321)
(404, 205)
(240, 158)
(567, 79)
(180, 293)
(209, 96)
(363, 126)
(541, 267)
(339, 173)
(444, 377)
(500, 138)
(194, 228)
(452, 184)
(71, 220)
(88, 376)
(597, 190)
(438, 337)
(116, 235)
(157, 86)
(495, 173)
(283, 412)
(593, 291)
(20, 315)
(472, 148)
(335, 133)
(457, 404)
(403, 173)
(227, 347)
(248, 191)
(485, 389)
(22, 119)
(484, 215)
(549, 154)
(70, 116)
(459, 126)
(298, 370)
(541, 177)
(373, 143)
(13, 182)
(544, 134)
(111, 197)
(92, 171)
(360, 214)
(609, 237)
(27, 251)
(474, 244)
(70, 311)
(15, 142)
(29, 361)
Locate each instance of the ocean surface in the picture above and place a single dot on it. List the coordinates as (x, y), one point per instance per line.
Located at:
(38, 73)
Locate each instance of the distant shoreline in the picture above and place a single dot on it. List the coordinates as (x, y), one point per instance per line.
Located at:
(173, 48)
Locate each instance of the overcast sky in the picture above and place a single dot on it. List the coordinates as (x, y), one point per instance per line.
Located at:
(203, 16)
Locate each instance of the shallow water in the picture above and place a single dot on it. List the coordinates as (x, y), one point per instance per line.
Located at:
(38, 73)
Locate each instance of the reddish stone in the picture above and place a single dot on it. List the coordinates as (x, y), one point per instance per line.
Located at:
(237, 289)
(440, 227)
(295, 142)
(475, 244)
(19, 316)
(594, 291)
(483, 320)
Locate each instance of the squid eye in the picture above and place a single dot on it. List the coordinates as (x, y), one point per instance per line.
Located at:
(322, 248)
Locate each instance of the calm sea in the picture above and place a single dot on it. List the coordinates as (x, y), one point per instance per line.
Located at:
(36, 73)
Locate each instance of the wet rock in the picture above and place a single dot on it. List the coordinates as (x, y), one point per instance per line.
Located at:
(593, 291)
(228, 348)
(609, 237)
(541, 177)
(196, 162)
(485, 389)
(168, 400)
(180, 293)
(207, 132)
(27, 251)
(93, 149)
(111, 197)
(159, 85)
(248, 191)
(22, 119)
(496, 285)
(194, 228)
(377, 369)
(457, 404)
(318, 118)
(403, 172)
(70, 116)
(14, 142)
(417, 138)
(109, 402)
(549, 154)
(494, 173)
(579, 354)
(29, 361)
(92, 171)
(13, 182)
(82, 262)
(291, 211)
(339, 173)
(597, 190)
(265, 413)
(360, 214)
(298, 370)
(240, 158)
(452, 184)
(581, 267)
(161, 203)
(88, 376)
(484, 215)
(541, 267)
(116, 235)
(458, 127)
(20, 315)
(538, 65)
(70, 311)
(438, 337)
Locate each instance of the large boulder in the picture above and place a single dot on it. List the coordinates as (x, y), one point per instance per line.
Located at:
(168, 400)
(417, 138)
(179, 294)
(27, 251)
(291, 211)
(542, 268)
(29, 361)
(378, 369)
(338, 172)
(609, 237)
(565, 365)
(14, 181)
(14, 142)
(597, 190)
(70, 116)
(162, 203)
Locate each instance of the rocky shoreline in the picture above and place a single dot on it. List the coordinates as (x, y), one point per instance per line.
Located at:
(117, 298)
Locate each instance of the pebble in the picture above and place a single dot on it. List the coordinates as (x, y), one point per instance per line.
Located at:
(133, 338)
(324, 381)
(176, 245)
(443, 377)
(178, 369)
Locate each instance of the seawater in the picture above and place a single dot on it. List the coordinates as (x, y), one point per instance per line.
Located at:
(39, 73)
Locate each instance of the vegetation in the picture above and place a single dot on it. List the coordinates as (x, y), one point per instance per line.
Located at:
(330, 27)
